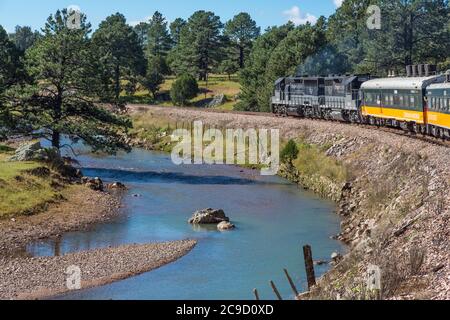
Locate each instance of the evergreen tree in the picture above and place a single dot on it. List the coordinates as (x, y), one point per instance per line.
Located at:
(175, 29)
(289, 152)
(241, 31)
(11, 74)
(347, 31)
(119, 56)
(184, 89)
(251, 77)
(199, 48)
(24, 37)
(60, 102)
(154, 77)
(159, 41)
(141, 30)
(413, 32)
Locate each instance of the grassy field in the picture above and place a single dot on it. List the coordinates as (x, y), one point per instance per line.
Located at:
(22, 193)
(217, 84)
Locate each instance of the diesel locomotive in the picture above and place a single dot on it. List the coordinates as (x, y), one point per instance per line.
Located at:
(418, 102)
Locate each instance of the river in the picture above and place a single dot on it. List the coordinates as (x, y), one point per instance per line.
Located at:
(274, 218)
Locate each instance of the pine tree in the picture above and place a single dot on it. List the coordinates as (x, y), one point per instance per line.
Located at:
(241, 31)
(347, 31)
(119, 55)
(175, 29)
(24, 37)
(141, 31)
(159, 41)
(11, 74)
(60, 102)
(413, 32)
(251, 77)
(199, 48)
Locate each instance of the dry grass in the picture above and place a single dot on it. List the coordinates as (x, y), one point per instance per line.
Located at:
(313, 161)
(216, 85)
(20, 191)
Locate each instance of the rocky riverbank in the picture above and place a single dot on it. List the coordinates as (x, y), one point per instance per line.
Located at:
(39, 278)
(393, 201)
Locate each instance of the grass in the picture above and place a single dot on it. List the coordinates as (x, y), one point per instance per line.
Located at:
(216, 85)
(22, 193)
(312, 161)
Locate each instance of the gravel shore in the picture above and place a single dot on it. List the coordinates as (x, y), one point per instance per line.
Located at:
(39, 278)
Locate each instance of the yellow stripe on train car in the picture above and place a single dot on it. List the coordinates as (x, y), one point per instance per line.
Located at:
(439, 119)
(397, 114)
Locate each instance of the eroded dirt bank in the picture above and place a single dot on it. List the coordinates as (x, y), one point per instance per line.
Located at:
(81, 208)
(395, 202)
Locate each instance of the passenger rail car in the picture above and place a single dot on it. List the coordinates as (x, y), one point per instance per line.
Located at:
(438, 112)
(419, 103)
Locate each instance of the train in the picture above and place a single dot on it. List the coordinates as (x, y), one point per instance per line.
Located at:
(418, 102)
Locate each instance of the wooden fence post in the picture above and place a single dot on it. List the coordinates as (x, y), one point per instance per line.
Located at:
(255, 292)
(291, 282)
(277, 293)
(309, 266)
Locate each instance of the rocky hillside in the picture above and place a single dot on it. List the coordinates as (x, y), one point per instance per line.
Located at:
(394, 202)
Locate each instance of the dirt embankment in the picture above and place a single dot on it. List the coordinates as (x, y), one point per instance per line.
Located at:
(81, 208)
(395, 203)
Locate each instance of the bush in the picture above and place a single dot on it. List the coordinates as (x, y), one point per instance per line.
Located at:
(184, 89)
(289, 152)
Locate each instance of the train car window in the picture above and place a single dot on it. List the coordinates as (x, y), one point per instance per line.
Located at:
(401, 101)
(391, 98)
(413, 101)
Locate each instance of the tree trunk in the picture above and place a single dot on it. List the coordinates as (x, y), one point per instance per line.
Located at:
(56, 134)
(117, 84)
(56, 139)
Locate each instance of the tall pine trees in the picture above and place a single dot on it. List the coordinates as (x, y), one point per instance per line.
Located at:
(119, 55)
(60, 100)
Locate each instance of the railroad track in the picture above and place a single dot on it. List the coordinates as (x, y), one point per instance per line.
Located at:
(396, 131)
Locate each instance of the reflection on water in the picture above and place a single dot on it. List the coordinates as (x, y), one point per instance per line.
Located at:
(273, 217)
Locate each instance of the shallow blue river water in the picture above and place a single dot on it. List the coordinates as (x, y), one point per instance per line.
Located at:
(274, 218)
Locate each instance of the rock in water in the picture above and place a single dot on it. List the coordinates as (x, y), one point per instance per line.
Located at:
(116, 185)
(95, 184)
(208, 216)
(225, 226)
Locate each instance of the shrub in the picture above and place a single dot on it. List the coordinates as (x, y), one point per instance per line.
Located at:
(184, 89)
(289, 152)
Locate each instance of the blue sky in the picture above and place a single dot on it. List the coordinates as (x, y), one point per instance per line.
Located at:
(265, 12)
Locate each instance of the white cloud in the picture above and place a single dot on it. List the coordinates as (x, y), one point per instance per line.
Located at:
(338, 3)
(298, 17)
(74, 7)
(136, 22)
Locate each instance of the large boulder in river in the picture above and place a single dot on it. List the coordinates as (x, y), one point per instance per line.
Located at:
(208, 216)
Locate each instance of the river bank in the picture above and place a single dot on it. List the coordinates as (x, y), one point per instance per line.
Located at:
(38, 204)
(44, 277)
(79, 208)
(393, 202)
